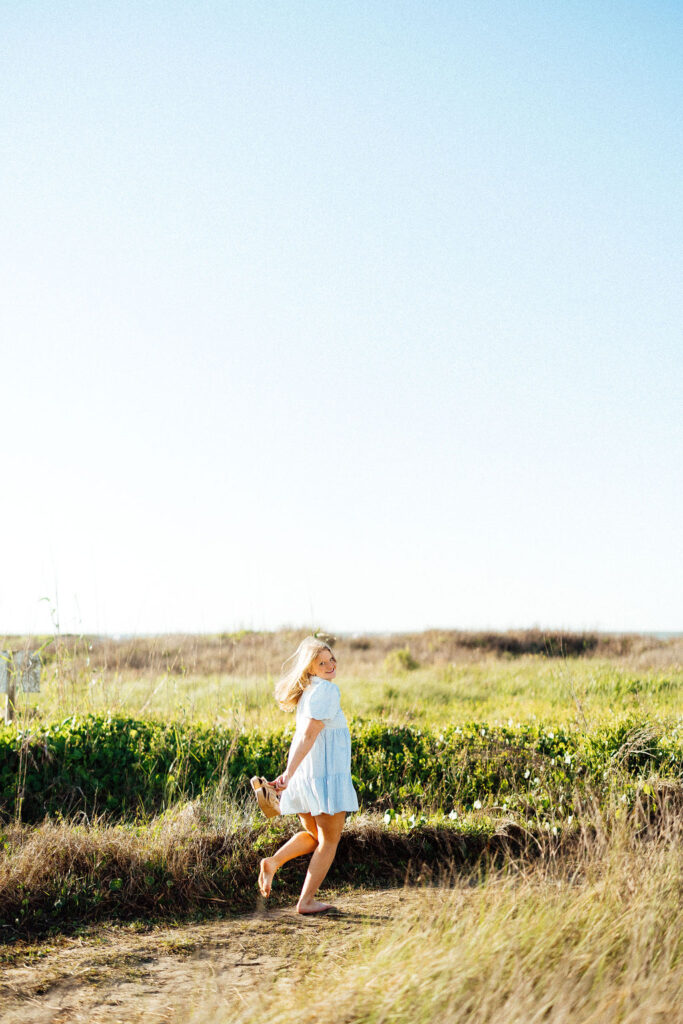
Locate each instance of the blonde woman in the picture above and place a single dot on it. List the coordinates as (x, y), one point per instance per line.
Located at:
(316, 784)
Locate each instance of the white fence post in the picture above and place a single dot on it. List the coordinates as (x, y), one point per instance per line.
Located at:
(22, 668)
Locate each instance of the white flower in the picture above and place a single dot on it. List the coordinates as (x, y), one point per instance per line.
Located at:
(527, 773)
(554, 830)
(567, 759)
(477, 805)
(551, 735)
(570, 818)
(536, 781)
(482, 732)
(453, 815)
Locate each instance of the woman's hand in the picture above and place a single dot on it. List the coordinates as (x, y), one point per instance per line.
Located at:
(281, 782)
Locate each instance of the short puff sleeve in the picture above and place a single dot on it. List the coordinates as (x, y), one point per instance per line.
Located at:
(325, 700)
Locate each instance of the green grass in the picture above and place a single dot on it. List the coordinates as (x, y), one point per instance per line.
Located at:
(583, 691)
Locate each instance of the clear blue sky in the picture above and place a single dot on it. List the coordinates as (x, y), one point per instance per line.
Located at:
(356, 315)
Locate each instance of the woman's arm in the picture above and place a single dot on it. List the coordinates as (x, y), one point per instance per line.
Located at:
(299, 751)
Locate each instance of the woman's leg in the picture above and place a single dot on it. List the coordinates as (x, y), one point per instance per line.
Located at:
(299, 845)
(329, 830)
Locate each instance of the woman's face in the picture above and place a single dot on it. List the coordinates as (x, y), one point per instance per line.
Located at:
(324, 665)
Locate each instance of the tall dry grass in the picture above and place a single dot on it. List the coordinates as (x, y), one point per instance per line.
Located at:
(248, 653)
(196, 857)
(590, 937)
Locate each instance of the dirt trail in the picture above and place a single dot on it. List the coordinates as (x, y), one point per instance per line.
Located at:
(117, 974)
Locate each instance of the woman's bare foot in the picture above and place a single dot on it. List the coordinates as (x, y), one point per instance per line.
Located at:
(265, 876)
(313, 907)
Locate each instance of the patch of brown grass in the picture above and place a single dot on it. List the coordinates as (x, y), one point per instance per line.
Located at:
(59, 875)
(248, 653)
(590, 935)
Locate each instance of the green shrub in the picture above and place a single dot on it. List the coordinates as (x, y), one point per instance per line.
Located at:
(400, 660)
(124, 766)
(130, 768)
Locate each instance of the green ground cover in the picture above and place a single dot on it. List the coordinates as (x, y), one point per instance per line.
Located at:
(528, 688)
(127, 767)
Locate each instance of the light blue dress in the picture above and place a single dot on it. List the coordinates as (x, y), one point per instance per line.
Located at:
(322, 782)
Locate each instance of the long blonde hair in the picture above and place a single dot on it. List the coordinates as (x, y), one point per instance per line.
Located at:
(295, 679)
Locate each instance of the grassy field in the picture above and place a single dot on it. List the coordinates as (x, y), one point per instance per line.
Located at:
(519, 857)
(587, 931)
(423, 679)
(594, 935)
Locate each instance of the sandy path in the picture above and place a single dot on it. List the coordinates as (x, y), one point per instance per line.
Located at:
(117, 974)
